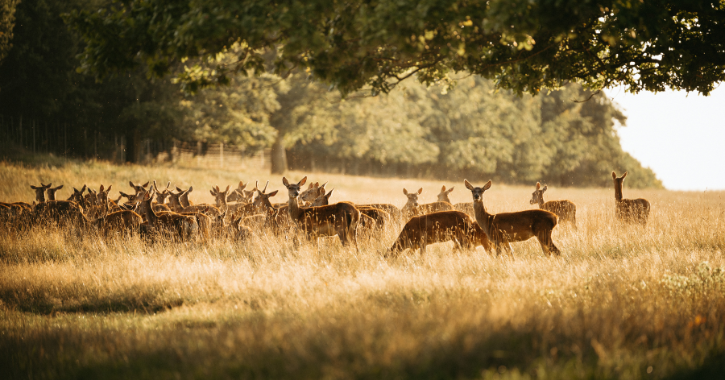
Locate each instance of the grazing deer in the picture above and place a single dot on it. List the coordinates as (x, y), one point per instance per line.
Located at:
(40, 191)
(340, 219)
(504, 228)
(443, 195)
(183, 226)
(51, 192)
(440, 227)
(412, 207)
(565, 210)
(629, 210)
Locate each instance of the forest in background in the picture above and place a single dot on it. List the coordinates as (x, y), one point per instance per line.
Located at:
(467, 128)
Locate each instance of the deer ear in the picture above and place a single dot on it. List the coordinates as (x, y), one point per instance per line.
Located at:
(468, 184)
(614, 175)
(101, 189)
(33, 187)
(284, 181)
(145, 184)
(545, 187)
(107, 190)
(329, 194)
(404, 191)
(487, 185)
(213, 194)
(443, 189)
(451, 189)
(227, 190)
(217, 189)
(302, 181)
(624, 175)
(420, 191)
(273, 193)
(131, 183)
(538, 185)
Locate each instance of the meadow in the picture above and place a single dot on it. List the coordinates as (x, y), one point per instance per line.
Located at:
(622, 301)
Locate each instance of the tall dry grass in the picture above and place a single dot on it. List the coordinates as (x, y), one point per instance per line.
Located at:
(621, 302)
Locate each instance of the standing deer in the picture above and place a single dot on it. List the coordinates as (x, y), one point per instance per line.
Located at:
(565, 210)
(371, 219)
(504, 228)
(629, 210)
(440, 227)
(51, 192)
(340, 219)
(183, 226)
(412, 207)
(443, 195)
(40, 191)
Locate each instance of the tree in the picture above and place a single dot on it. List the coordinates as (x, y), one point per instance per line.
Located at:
(523, 45)
(7, 22)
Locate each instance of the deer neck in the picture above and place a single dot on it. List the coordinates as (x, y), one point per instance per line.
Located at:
(541, 202)
(483, 218)
(618, 192)
(175, 205)
(294, 208)
(149, 211)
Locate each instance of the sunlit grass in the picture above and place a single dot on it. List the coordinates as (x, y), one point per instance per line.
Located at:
(621, 302)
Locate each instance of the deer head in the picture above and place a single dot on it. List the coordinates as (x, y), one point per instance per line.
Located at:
(51, 192)
(40, 191)
(538, 195)
(477, 192)
(443, 195)
(412, 197)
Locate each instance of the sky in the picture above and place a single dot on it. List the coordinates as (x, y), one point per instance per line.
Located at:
(679, 136)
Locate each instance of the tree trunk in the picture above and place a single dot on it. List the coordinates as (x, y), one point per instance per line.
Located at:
(279, 156)
(133, 147)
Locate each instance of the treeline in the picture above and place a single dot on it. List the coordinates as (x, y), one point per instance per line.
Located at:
(469, 129)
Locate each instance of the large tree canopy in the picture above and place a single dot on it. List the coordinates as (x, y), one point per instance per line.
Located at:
(524, 45)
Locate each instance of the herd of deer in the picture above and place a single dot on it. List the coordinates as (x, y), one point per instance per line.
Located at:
(240, 213)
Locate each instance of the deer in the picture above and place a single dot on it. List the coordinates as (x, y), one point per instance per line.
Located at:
(504, 228)
(239, 194)
(183, 226)
(40, 191)
(443, 195)
(393, 212)
(51, 192)
(339, 219)
(378, 218)
(139, 190)
(313, 192)
(124, 221)
(412, 207)
(204, 208)
(565, 210)
(629, 210)
(440, 227)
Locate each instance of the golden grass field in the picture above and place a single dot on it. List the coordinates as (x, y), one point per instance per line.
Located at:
(621, 302)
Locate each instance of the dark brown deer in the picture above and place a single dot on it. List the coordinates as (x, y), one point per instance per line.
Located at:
(51, 192)
(565, 210)
(504, 228)
(391, 210)
(440, 227)
(40, 191)
(339, 219)
(183, 226)
(629, 210)
(412, 207)
(372, 220)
